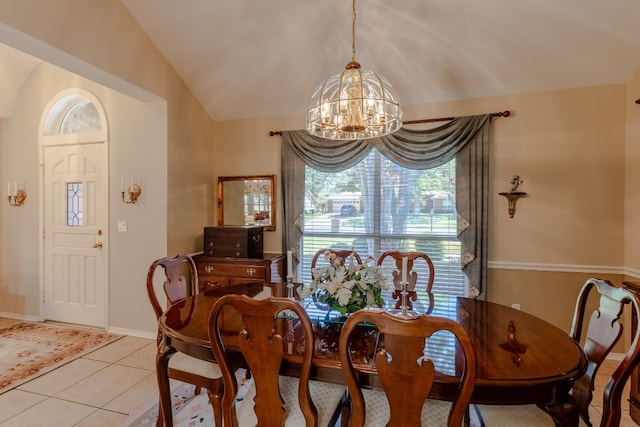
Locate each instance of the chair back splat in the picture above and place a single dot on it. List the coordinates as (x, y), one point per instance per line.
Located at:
(345, 254)
(200, 373)
(604, 330)
(412, 275)
(175, 284)
(262, 346)
(405, 371)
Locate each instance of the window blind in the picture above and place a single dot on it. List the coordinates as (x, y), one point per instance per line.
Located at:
(376, 206)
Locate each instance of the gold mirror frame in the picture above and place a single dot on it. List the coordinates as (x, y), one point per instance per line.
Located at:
(237, 190)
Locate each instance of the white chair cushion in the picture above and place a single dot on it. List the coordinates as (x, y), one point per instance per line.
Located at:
(511, 415)
(434, 412)
(194, 365)
(325, 396)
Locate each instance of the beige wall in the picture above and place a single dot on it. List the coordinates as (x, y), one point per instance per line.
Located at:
(244, 147)
(569, 148)
(632, 180)
(177, 198)
(116, 53)
(133, 132)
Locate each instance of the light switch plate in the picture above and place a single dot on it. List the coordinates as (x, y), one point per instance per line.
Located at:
(122, 226)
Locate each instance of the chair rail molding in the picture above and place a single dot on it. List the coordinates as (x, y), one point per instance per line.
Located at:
(568, 268)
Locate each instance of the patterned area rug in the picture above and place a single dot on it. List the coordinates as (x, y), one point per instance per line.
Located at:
(192, 411)
(28, 350)
(188, 409)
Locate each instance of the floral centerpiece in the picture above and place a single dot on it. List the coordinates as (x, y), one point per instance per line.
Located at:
(347, 288)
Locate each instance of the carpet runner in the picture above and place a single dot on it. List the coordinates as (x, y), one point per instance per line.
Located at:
(29, 349)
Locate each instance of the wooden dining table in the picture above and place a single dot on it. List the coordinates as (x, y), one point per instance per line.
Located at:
(521, 359)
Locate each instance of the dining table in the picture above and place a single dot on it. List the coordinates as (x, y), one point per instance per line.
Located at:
(521, 358)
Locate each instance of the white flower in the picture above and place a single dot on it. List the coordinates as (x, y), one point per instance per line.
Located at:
(343, 295)
(347, 287)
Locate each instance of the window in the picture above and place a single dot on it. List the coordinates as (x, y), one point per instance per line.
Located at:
(72, 114)
(377, 206)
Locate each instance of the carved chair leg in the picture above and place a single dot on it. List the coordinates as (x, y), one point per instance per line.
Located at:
(345, 410)
(160, 420)
(162, 376)
(215, 397)
(197, 390)
(467, 416)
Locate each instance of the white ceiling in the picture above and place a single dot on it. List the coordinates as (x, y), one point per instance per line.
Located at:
(248, 58)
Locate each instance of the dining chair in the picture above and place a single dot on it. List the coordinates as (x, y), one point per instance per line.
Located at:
(200, 373)
(603, 331)
(406, 372)
(272, 399)
(345, 254)
(393, 260)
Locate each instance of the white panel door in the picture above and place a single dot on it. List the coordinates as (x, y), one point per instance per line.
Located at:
(75, 201)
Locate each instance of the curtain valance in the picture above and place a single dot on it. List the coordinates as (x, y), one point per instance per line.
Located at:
(413, 149)
(464, 138)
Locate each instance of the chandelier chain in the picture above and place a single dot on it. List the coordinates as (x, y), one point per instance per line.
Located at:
(353, 32)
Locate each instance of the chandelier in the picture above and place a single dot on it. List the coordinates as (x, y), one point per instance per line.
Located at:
(354, 104)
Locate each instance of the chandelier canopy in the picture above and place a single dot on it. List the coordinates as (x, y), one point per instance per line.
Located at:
(354, 104)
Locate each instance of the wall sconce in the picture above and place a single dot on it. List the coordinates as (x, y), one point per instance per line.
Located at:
(513, 195)
(16, 198)
(133, 190)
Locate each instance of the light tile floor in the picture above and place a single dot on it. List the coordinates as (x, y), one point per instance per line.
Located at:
(104, 387)
(100, 389)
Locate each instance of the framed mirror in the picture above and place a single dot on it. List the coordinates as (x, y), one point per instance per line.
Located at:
(247, 201)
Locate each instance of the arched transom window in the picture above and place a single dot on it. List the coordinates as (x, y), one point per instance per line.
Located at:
(72, 114)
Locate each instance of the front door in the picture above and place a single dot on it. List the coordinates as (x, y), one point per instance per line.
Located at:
(75, 206)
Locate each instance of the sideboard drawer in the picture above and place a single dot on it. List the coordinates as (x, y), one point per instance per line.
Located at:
(220, 269)
(216, 272)
(213, 282)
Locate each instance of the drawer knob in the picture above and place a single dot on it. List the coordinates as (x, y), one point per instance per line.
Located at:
(208, 268)
(251, 271)
(208, 284)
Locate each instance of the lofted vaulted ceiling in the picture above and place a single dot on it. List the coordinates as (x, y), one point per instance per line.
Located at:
(248, 58)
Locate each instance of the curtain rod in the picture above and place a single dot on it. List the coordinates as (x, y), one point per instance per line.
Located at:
(505, 113)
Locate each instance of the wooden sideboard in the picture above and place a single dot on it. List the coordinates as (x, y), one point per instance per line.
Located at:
(215, 272)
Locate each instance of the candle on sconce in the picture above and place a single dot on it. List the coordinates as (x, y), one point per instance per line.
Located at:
(404, 270)
(289, 264)
(131, 186)
(15, 188)
(121, 184)
(8, 189)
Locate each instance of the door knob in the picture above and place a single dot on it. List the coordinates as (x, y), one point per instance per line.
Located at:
(97, 245)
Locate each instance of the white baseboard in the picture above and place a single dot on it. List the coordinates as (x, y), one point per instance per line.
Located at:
(132, 333)
(17, 316)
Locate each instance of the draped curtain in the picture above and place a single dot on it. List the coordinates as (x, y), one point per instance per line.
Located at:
(464, 138)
